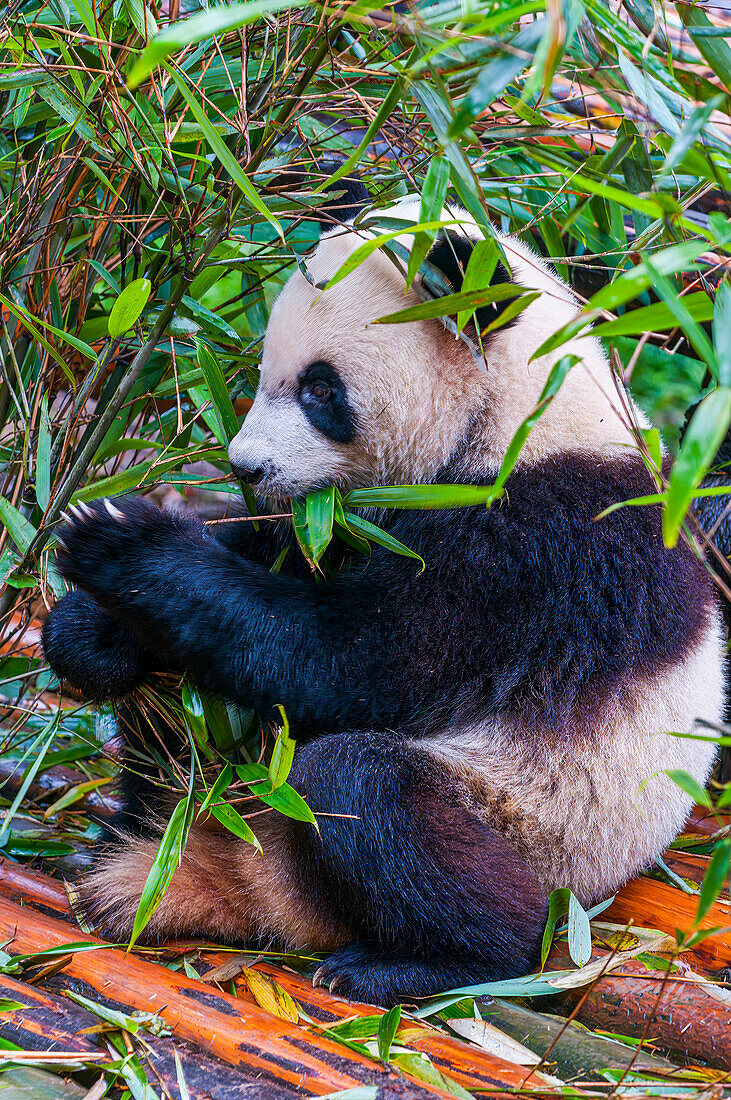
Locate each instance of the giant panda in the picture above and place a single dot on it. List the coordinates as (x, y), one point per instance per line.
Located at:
(470, 736)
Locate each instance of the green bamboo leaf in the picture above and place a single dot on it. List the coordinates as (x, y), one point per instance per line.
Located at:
(479, 273)
(356, 258)
(691, 786)
(232, 820)
(320, 511)
(433, 196)
(715, 878)
(206, 24)
(207, 315)
(449, 304)
(195, 720)
(716, 52)
(676, 304)
(387, 1029)
(218, 722)
(579, 932)
(558, 907)
(362, 546)
(420, 496)
(360, 526)
(495, 75)
(422, 1067)
(129, 305)
(24, 317)
(219, 393)
(252, 773)
(312, 520)
(43, 457)
(286, 800)
(219, 147)
(553, 384)
(223, 781)
(166, 862)
(142, 18)
(21, 530)
(722, 333)
(703, 437)
(282, 754)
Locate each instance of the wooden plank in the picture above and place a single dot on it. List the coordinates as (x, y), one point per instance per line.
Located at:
(238, 1032)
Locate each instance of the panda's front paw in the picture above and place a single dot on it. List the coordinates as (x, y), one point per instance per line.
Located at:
(93, 652)
(106, 546)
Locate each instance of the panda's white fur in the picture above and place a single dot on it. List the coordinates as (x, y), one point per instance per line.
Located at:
(590, 812)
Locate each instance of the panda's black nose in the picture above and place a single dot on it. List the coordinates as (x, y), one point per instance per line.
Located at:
(249, 474)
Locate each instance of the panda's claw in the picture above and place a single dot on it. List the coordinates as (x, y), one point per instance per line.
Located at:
(319, 977)
(85, 509)
(114, 512)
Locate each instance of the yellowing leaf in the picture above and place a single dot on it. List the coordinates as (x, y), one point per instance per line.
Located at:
(270, 996)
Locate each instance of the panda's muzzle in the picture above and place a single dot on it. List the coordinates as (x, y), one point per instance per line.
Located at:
(251, 474)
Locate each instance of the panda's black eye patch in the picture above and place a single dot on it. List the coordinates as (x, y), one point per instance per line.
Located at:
(323, 396)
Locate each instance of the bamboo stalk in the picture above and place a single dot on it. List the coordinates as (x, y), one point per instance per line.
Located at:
(240, 1033)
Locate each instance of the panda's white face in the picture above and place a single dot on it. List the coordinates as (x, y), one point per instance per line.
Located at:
(344, 401)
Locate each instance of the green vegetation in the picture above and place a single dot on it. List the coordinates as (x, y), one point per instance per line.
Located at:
(147, 223)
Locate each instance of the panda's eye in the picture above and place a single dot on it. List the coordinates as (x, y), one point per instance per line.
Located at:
(320, 391)
(323, 397)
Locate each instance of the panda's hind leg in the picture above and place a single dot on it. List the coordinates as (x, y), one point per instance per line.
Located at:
(433, 897)
(412, 892)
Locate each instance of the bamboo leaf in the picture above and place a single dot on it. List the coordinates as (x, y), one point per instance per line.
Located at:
(703, 437)
(128, 307)
(213, 21)
(221, 402)
(282, 754)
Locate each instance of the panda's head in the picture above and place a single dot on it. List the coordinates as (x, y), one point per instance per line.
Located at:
(345, 401)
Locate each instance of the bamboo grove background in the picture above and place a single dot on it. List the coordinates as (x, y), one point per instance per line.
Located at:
(160, 168)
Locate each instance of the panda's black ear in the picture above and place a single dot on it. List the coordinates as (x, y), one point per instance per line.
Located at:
(340, 201)
(348, 196)
(450, 255)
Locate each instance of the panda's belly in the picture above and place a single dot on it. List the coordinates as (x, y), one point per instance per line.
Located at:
(590, 807)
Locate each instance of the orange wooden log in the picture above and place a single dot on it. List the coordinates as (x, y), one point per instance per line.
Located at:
(239, 1033)
(651, 904)
(468, 1064)
(681, 1016)
(704, 822)
(46, 1022)
(23, 884)
(51, 1023)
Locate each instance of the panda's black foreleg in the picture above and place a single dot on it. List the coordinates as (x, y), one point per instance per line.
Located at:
(436, 898)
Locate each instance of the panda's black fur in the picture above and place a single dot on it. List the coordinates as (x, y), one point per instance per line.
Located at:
(529, 613)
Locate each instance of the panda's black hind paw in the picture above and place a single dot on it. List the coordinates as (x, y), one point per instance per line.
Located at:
(373, 974)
